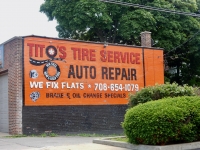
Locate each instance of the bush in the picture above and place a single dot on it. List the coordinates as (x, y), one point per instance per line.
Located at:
(160, 91)
(166, 121)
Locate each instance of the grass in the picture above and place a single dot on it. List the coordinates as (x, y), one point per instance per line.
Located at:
(16, 136)
(33, 135)
(47, 135)
(50, 134)
(120, 139)
(93, 135)
(53, 135)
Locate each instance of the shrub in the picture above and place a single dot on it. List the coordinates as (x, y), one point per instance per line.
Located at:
(166, 121)
(160, 91)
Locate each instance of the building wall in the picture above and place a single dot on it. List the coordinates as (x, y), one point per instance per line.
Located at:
(154, 67)
(65, 119)
(13, 66)
(58, 119)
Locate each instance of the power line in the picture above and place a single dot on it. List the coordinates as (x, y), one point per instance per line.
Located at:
(151, 8)
(184, 42)
(158, 9)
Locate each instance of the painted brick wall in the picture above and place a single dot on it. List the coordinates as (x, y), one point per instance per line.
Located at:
(58, 119)
(63, 119)
(13, 66)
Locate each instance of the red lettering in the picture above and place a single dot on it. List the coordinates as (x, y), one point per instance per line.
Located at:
(85, 54)
(37, 47)
(131, 58)
(110, 56)
(123, 57)
(120, 57)
(62, 50)
(41, 49)
(92, 55)
(127, 57)
(36, 50)
(137, 58)
(74, 53)
(31, 45)
(116, 57)
(103, 55)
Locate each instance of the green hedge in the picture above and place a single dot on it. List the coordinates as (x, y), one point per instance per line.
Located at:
(166, 121)
(160, 91)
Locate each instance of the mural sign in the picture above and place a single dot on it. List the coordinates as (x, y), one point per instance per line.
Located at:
(60, 72)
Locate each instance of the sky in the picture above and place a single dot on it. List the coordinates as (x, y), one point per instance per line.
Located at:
(22, 17)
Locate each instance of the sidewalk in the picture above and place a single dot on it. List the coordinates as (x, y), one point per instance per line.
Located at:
(52, 143)
(3, 134)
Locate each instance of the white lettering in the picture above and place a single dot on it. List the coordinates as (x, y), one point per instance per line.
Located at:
(36, 85)
(72, 85)
(48, 84)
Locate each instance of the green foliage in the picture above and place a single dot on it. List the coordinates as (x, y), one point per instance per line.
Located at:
(99, 21)
(120, 139)
(50, 134)
(53, 135)
(166, 121)
(43, 135)
(160, 91)
(94, 135)
(16, 136)
(90, 135)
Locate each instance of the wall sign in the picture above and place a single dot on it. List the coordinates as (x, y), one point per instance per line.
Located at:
(1, 56)
(60, 72)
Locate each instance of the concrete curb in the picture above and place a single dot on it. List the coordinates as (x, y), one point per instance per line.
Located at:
(185, 146)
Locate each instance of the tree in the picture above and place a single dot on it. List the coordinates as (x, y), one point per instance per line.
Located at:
(98, 21)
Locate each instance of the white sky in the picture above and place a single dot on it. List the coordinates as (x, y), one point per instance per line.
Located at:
(22, 17)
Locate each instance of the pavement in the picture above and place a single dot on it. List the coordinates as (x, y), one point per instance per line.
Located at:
(52, 143)
(8, 142)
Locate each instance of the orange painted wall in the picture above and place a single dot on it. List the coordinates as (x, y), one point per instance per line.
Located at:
(154, 69)
(115, 71)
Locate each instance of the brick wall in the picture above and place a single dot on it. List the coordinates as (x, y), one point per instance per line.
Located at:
(58, 119)
(64, 119)
(13, 66)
